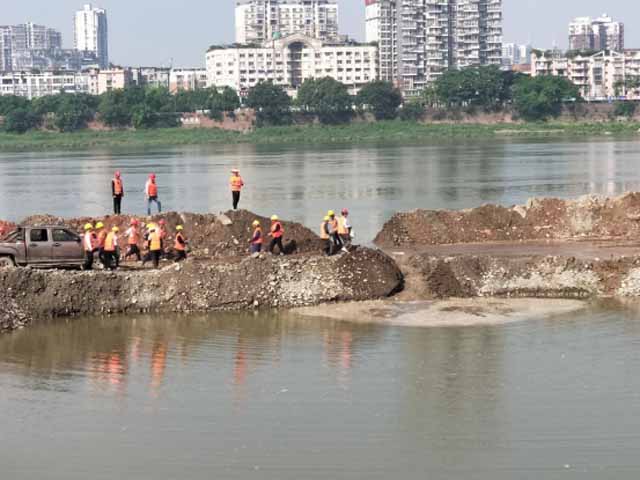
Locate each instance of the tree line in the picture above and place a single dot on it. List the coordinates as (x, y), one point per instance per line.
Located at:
(471, 89)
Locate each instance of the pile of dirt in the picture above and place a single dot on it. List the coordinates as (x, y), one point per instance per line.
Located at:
(11, 315)
(540, 219)
(210, 236)
(264, 281)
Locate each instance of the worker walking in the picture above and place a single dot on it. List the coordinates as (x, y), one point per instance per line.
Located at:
(151, 193)
(111, 249)
(88, 244)
(180, 245)
(117, 190)
(155, 245)
(133, 239)
(257, 239)
(325, 235)
(236, 183)
(276, 234)
(335, 236)
(344, 230)
(100, 239)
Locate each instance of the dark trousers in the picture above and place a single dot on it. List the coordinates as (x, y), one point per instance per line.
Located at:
(328, 247)
(274, 242)
(110, 260)
(337, 241)
(255, 248)
(117, 204)
(88, 260)
(133, 250)
(101, 257)
(180, 255)
(236, 199)
(155, 257)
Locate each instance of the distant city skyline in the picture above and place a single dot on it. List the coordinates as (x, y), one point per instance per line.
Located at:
(147, 32)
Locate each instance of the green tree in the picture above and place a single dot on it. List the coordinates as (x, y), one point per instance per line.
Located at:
(625, 109)
(143, 117)
(45, 105)
(72, 113)
(381, 98)
(226, 101)
(540, 98)
(484, 87)
(412, 111)
(271, 103)
(115, 108)
(327, 98)
(20, 120)
(10, 103)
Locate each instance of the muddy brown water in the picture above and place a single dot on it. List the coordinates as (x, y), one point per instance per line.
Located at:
(281, 397)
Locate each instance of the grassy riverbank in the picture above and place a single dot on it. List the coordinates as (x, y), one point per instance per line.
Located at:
(393, 131)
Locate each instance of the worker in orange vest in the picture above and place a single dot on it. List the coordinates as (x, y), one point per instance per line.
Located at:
(151, 193)
(325, 235)
(117, 190)
(100, 238)
(155, 245)
(133, 239)
(335, 236)
(180, 245)
(236, 183)
(111, 249)
(276, 234)
(344, 230)
(257, 240)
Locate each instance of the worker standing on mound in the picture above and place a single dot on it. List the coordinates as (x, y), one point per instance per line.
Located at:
(88, 244)
(117, 190)
(325, 235)
(344, 230)
(257, 239)
(335, 236)
(180, 245)
(133, 239)
(100, 239)
(155, 245)
(111, 249)
(236, 183)
(151, 193)
(276, 234)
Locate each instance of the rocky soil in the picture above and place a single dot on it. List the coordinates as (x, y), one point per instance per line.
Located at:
(540, 219)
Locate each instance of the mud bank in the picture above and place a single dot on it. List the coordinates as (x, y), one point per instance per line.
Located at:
(539, 219)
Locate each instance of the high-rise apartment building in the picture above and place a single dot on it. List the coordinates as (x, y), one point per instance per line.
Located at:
(514, 54)
(601, 33)
(262, 20)
(381, 28)
(432, 36)
(27, 46)
(91, 33)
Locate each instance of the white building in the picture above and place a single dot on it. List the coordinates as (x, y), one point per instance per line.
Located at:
(155, 77)
(596, 34)
(261, 20)
(27, 46)
(289, 61)
(34, 85)
(514, 54)
(187, 79)
(427, 37)
(91, 33)
(601, 76)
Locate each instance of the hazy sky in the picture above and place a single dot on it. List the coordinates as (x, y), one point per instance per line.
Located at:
(152, 32)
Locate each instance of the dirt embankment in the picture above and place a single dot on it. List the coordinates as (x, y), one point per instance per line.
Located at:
(218, 276)
(540, 219)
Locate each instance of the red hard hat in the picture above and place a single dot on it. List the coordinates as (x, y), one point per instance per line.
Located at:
(162, 222)
(134, 221)
(117, 173)
(152, 176)
(345, 211)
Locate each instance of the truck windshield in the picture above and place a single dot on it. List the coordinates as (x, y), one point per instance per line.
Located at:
(15, 236)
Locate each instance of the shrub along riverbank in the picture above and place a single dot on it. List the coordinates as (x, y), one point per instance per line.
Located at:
(356, 133)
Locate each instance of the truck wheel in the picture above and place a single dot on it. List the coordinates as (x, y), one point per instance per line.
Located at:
(6, 262)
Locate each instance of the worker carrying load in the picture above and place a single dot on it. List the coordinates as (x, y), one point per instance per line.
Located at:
(180, 245)
(257, 240)
(236, 183)
(276, 233)
(345, 230)
(89, 242)
(117, 190)
(133, 239)
(111, 250)
(151, 193)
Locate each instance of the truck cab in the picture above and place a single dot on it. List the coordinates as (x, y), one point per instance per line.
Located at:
(42, 246)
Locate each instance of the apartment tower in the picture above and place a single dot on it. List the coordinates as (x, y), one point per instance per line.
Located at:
(91, 33)
(261, 20)
(596, 34)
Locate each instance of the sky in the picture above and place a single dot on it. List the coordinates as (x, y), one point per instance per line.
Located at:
(164, 32)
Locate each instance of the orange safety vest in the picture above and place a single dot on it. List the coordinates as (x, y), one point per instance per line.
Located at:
(323, 231)
(342, 229)
(179, 246)
(101, 238)
(110, 242)
(153, 189)
(334, 225)
(118, 188)
(275, 231)
(236, 183)
(154, 242)
(259, 240)
(134, 237)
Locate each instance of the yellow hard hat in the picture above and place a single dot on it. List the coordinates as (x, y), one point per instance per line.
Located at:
(115, 229)
(88, 226)
(100, 225)
(179, 228)
(274, 218)
(151, 226)
(331, 213)
(327, 218)
(256, 223)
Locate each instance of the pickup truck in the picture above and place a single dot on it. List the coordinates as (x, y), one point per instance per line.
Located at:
(41, 246)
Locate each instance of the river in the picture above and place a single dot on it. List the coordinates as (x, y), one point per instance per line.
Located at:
(278, 396)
